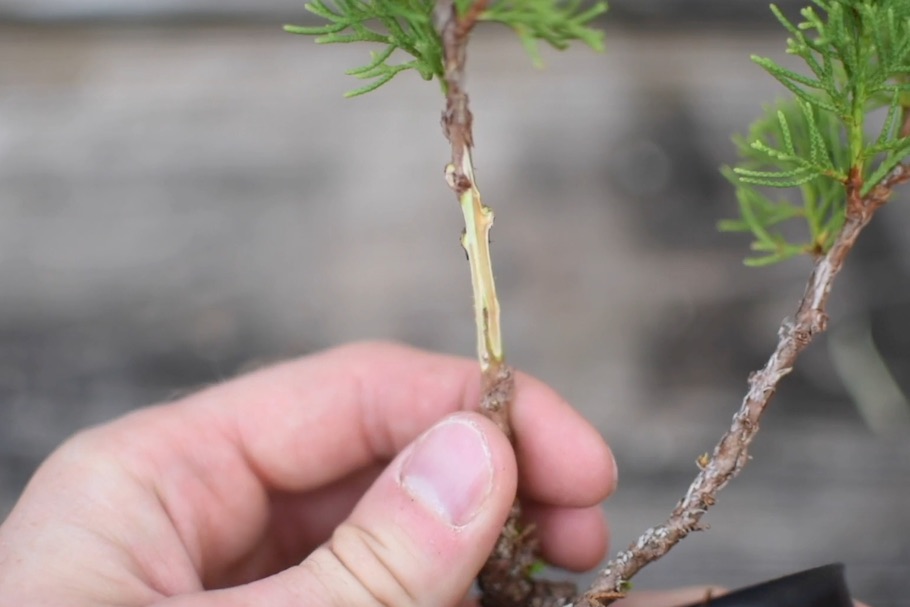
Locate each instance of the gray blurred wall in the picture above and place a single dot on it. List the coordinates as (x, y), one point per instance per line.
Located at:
(181, 200)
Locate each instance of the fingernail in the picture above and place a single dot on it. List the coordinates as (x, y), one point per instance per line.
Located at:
(450, 470)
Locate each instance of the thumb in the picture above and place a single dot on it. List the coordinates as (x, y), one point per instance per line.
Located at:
(418, 536)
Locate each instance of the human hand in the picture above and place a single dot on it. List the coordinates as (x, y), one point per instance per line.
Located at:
(353, 477)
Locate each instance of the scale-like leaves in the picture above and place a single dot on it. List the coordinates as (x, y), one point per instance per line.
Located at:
(556, 23)
(408, 26)
(857, 53)
(400, 25)
(792, 147)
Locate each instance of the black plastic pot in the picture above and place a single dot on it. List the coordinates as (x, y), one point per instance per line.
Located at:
(823, 586)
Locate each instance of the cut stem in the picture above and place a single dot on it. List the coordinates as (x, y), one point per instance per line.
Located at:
(505, 579)
(478, 219)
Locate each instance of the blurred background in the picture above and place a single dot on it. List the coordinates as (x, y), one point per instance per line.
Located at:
(184, 194)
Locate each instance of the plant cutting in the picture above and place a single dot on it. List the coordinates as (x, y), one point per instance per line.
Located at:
(812, 165)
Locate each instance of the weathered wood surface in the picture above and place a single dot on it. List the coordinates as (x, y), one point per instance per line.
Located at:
(647, 12)
(177, 204)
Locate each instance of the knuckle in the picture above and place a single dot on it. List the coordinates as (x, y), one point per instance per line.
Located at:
(357, 567)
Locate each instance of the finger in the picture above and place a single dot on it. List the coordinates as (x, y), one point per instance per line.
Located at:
(214, 459)
(670, 598)
(563, 460)
(418, 536)
(309, 422)
(571, 538)
(299, 523)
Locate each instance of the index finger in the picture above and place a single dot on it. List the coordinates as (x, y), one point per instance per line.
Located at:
(308, 422)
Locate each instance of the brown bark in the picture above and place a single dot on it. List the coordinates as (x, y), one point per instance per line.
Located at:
(731, 453)
(505, 580)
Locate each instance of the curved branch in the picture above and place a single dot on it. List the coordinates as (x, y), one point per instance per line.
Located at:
(731, 453)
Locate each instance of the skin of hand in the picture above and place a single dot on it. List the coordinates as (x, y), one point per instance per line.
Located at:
(358, 476)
